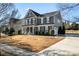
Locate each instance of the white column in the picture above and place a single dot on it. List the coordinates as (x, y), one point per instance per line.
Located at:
(29, 20)
(33, 30)
(47, 19)
(54, 19)
(42, 20)
(33, 25)
(23, 22)
(26, 22)
(38, 28)
(22, 30)
(55, 30)
(46, 28)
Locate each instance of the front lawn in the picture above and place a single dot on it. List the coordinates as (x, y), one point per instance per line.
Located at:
(31, 42)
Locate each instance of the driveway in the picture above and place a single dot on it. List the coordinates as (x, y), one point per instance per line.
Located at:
(71, 35)
(67, 47)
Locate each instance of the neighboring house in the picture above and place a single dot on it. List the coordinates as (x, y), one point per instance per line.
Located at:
(16, 24)
(13, 23)
(34, 22)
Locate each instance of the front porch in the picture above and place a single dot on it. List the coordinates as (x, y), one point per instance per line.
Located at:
(41, 30)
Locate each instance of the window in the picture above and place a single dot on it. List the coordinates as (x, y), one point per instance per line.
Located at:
(31, 21)
(27, 21)
(38, 21)
(42, 28)
(29, 14)
(31, 29)
(51, 19)
(35, 21)
(35, 29)
(49, 28)
(27, 29)
(44, 20)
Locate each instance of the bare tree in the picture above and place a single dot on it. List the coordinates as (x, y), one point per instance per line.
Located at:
(68, 9)
(67, 6)
(7, 11)
(5, 7)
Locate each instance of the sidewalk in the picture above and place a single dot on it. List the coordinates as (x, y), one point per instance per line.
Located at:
(66, 47)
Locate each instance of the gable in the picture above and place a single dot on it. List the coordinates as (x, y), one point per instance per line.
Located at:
(30, 14)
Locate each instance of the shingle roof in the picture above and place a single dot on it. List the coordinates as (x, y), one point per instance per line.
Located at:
(14, 20)
(45, 14)
(50, 13)
(37, 14)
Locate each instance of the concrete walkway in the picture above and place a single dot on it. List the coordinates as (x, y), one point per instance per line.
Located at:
(66, 47)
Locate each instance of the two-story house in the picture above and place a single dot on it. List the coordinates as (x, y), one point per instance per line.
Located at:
(35, 23)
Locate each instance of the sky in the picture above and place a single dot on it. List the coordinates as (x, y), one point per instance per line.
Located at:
(44, 8)
(38, 7)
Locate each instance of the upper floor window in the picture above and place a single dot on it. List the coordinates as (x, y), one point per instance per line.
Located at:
(30, 14)
(31, 20)
(35, 21)
(38, 21)
(51, 19)
(44, 20)
(27, 21)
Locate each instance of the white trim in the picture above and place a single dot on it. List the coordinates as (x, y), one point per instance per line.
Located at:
(33, 20)
(54, 19)
(41, 20)
(47, 19)
(38, 28)
(26, 22)
(29, 20)
(55, 30)
(46, 27)
(30, 12)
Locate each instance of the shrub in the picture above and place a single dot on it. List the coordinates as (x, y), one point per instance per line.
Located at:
(52, 32)
(19, 32)
(61, 30)
(11, 31)
(6, 31)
